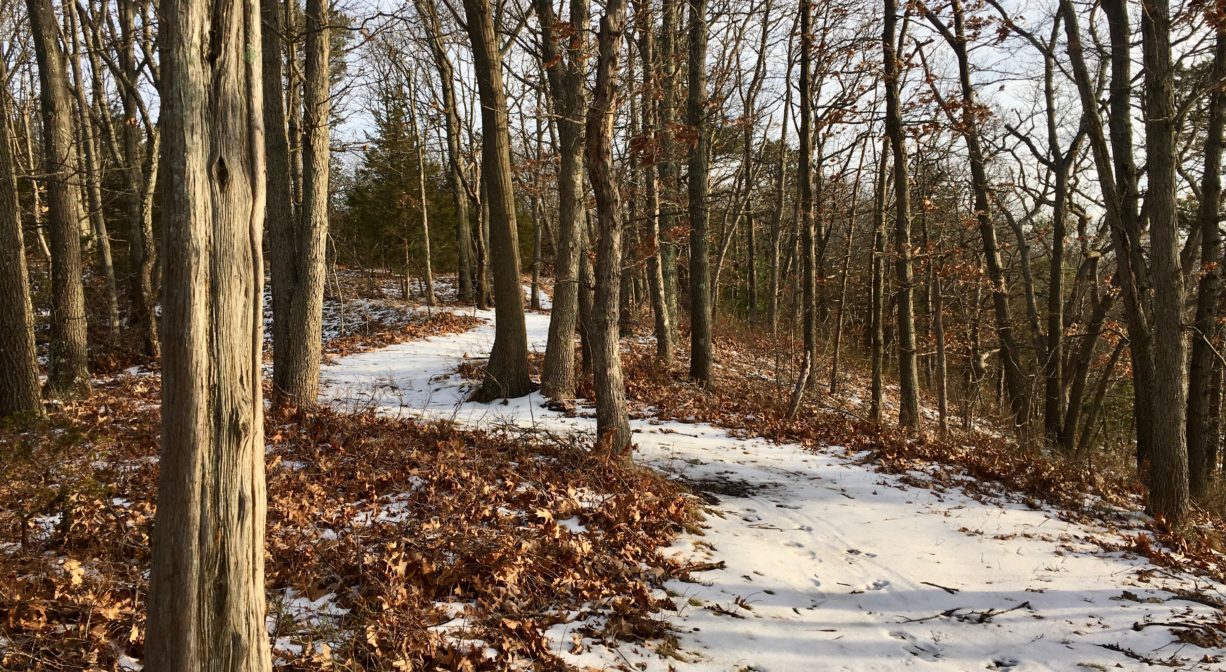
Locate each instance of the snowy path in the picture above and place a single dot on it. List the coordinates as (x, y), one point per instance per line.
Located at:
(828, 564)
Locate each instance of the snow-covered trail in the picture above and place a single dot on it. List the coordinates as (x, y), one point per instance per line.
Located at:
(826, 563)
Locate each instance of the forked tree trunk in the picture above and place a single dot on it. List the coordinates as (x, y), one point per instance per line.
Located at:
(566, 72)
(67, 369)
(506, 375)
(206, 588)
(612, 422)
(908, 378)
(299, 253)
(18, 363)
(700, 263)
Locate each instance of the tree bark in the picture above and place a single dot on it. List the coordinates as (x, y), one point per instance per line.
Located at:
(18, 360)
(298, 253)
(446, 76)
(422, 203)
(1205, 333)
(1168, 494)
(908, 377)
(700, 263)
(67, 370)
(804, 179)
(877, 296)
(612, 422)
(566, 74)
(206, 588)
(651, 130)
(506, 375)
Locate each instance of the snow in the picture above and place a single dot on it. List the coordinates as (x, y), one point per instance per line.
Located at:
(819, 562)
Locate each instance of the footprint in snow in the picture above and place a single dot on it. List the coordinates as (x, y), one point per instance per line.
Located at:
(926, 650)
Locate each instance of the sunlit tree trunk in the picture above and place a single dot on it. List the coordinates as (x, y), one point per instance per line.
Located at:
(206, 587)
(506, 375)
(67, 371)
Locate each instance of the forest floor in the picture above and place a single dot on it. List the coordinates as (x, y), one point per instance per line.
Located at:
(819, 558)
(412, 529)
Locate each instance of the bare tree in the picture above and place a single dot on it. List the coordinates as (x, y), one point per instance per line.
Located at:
(67, 370)
(18, 364)
(700, 262)
(612, 422)
(506, 375)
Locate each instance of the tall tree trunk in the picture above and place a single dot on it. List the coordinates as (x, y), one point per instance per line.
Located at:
(446, 75)
(18, 361)
(1205, 334)
(67, 370)
(804, 179)
(612, 422)
(93, 171)
(299, 277)
(877, 298)
(141, 169)
(566, 72)
(506, 375)
(423, 204)
(644, 20)
(206, 587)
(1168, 493)
(700, 263)
(908, 377)
(1010, 354)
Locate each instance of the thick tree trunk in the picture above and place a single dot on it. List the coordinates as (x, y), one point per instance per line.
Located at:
(566, 72)
(18, 362)
(67, 371)
(1168, 494)
(700, 263)
(506, 375)
(908, 377)
(206, 588)
(612, 422)
(1206, 331)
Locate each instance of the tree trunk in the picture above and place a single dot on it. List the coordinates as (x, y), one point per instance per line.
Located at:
(506, 375)
(566, 73)
(298, 252)
(700, 264)
(206, 587)
(1168, 494)
(804, 179)
(877, 298)
(93, 171)
(908, 383)
(655, 261)
(67, 370)
(1205, 333)
(141, 171)
(422, 203)
(18, 360)
(446, 76)
(612, 422)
